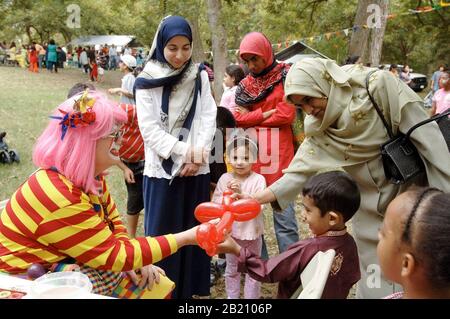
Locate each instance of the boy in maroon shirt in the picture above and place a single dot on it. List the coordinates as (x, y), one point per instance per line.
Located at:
(329, 200)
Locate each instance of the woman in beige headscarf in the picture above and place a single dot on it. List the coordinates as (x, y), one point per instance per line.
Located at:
(343, 130)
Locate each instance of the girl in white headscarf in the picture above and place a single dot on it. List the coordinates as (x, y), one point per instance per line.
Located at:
(344, 130)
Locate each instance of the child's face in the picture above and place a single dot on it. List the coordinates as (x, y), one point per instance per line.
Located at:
(241, 160)
(228, 80)
(122, 66)
(312, 216)
(390, 247)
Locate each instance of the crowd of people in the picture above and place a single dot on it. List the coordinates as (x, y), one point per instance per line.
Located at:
(34, 56)
(161, 135)
(93, 60)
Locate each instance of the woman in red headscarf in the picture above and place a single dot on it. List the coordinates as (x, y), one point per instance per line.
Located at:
(260, 105)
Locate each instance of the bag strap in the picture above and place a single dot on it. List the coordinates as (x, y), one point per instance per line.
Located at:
(377, 108)
(380, 113)
(431, 119)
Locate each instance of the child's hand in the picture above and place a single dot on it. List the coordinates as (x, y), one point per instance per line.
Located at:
(114, 91)
(229, 246)
(235, 186)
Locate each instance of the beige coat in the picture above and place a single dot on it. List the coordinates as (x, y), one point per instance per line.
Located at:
(349, 137)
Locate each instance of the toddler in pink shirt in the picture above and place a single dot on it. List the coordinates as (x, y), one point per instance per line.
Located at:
(242, 152)
(441, 99)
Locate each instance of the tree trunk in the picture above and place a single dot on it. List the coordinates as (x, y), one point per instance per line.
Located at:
(198, 54)
(219, 45)
(377, 35)
(28, 31)
(368, 32)
(67, 36)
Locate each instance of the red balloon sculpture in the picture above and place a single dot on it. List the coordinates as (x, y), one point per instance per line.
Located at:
(210, 235)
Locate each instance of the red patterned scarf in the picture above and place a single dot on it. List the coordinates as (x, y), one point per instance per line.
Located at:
(255, 88)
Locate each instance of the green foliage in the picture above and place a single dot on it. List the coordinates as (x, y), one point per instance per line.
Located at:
(420, 40)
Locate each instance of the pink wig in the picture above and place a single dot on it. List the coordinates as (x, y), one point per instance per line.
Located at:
(74, 156)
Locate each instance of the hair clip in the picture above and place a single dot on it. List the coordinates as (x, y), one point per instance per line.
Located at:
(83, 114)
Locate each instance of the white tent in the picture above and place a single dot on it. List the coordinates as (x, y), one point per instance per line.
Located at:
(98, 40)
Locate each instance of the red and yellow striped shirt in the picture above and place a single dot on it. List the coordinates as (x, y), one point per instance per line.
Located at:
(49, 219)
(132, 148)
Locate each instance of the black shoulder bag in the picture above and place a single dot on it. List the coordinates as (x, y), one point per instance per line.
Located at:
(401, 160)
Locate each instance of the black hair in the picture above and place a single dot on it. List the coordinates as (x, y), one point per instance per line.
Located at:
(427, 231)
(137, 70)
(334, 191)
(236, 72)
(51, 41)
(78, 88)
(392, 67)
(352, 59)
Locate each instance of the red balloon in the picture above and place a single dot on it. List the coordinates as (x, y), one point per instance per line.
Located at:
(209, 235)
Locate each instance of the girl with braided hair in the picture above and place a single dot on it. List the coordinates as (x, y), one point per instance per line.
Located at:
(413, 247)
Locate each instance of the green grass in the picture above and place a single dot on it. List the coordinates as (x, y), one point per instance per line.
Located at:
(27, 99)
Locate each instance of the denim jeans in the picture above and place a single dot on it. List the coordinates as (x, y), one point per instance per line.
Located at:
(40, 60)
(286, 230)
(113, 62)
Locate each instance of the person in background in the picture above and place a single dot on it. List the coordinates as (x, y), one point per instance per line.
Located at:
(405, 75)
(52, 57)
(393, 69)
(434, 84)
(33, 59)
(41, 54)
(94, 70)
(354, 59)
(233, 75)
(261, 107)
(441, 98)
(127, 66)
(113, 57)
(61, 57)
(84, 61)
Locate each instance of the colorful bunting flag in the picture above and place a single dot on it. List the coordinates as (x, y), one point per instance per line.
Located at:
(356, 28)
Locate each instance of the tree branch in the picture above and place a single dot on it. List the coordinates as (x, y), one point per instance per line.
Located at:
(439, 14)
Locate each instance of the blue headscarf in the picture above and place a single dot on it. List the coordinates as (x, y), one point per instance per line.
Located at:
(171, 27)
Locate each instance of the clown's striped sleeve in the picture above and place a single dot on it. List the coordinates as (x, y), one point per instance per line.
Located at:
(48, 219)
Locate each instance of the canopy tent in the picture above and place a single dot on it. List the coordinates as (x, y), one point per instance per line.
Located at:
(298, 51)
(97, 40)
